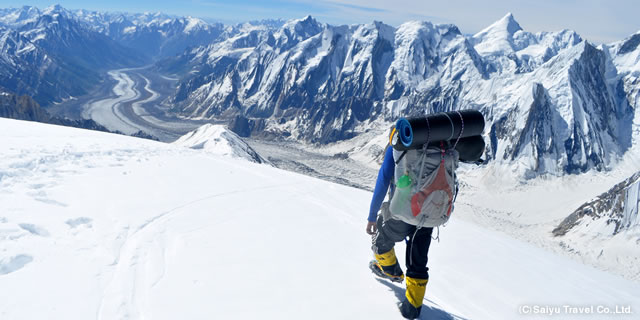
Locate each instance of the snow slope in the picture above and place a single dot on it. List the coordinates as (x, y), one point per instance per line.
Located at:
(94, 225)
(217, 139)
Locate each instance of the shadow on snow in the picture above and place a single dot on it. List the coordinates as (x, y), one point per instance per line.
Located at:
(428, 311)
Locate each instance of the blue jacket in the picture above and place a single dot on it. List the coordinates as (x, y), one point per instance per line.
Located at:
(382, 183)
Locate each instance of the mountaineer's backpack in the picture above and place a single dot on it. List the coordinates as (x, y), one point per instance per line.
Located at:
(425, 182)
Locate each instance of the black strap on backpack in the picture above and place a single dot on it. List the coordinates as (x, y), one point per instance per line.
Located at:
(425, 144)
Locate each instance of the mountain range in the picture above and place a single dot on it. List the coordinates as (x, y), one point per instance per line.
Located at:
(57, 54)
(554, 103)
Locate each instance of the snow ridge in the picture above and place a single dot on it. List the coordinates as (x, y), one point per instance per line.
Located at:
(218, 140)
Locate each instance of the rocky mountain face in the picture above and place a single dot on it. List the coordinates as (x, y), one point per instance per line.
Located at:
(315, 81)
(26, 68)
(625, 57)
(23, 107)
(554, 103)
(51, 56)
(55, 54)
(574, 117)
(61, 34)
(614, 212)
(611, 213)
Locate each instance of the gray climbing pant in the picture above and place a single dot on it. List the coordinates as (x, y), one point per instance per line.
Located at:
(418, 241)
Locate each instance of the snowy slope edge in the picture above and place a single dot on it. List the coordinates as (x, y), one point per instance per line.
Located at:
(121, 228)
(218, 140)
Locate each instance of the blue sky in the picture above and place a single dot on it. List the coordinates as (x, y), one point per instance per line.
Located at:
(596, 20)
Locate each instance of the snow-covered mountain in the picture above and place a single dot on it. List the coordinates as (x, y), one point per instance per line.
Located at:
(611, 213)
(317, 81)
(120, 227)
(61, 34)
(16, 17)
(554, 103)
(169, 37)
(114, 23)
(154, 34)
(508, 48)
(26, 68)
(606, 229)
(51, 56)
(626, 59)
(54, 54)
(217, 139)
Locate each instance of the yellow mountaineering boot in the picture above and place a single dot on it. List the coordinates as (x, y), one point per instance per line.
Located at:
(412, 304)
(386, 266)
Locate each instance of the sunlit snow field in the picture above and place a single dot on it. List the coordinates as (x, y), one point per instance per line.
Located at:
(94, 225)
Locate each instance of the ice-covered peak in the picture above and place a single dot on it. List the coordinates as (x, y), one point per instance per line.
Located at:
(306, 20)
(420, 49)
(56, 8)
(414, 25)
(415, 33)
(507, 25)
(375, 29)
(217, 139)
(626, 54)
(425, 30)
(193, 24)
(54, 17)
(497, 37)
(28, 11)
(56, 13)
(630, 44)
(295, 31)
(19, 17)
(305, 27)
(412, 31)
(385, 31)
